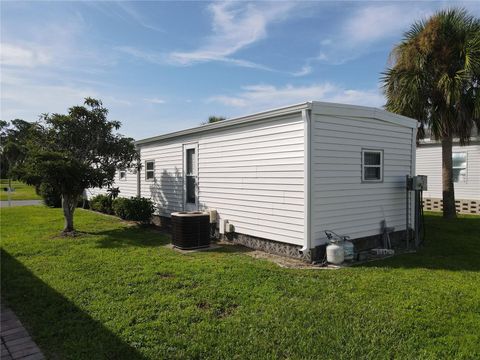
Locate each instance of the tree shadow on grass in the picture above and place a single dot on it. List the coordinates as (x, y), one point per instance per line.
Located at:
(60, 328)
(134, 236)
(449, 245)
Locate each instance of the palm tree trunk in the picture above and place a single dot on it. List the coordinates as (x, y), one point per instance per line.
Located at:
(449, 211)
(69, 203)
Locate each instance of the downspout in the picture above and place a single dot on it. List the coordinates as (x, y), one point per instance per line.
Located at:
(306, 116)
(139, 175)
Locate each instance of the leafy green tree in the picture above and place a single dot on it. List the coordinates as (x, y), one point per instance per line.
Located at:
(14, 136)
(435, 78)
(213, 119)
(74, 152)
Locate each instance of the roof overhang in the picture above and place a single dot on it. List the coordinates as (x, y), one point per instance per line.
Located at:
(317, 107)
(355, 111)
(230, 122)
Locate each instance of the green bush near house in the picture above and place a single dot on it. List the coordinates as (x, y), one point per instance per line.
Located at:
(135, 209)
(102, 203)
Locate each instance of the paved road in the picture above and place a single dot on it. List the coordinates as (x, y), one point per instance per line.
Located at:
(20, 203)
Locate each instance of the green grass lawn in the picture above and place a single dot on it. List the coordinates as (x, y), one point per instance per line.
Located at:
(117, 293)
(22, 191)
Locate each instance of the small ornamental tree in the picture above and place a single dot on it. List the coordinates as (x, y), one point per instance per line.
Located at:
(14, 136)
(73, 152)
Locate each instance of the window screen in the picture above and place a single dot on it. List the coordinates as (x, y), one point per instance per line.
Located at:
(122, 174)
(372, 165)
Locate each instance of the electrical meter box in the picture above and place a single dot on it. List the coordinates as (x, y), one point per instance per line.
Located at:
(419, 182)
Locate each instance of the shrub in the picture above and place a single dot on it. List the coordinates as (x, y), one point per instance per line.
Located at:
(120, 207)
(49, 196)
(135, 209)
(102, 203)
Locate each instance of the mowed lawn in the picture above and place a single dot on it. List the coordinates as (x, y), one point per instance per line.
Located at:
(22, 191)
(117, 293)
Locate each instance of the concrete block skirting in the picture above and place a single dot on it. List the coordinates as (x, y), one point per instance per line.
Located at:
(269, 246)
(463, 206)
(293, 251)
(397, 239)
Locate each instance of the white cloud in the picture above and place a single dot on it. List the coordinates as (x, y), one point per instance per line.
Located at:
(161, 59)
(155, 100)
(258, 97)
(236, 25)
(357, 97)
(368, 26)
(305, 70)
(374, 23)
(24, 56)
(148, 56)
(136, 16)
(28, 97)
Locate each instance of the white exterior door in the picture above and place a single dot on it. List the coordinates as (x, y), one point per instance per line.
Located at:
(190, 178)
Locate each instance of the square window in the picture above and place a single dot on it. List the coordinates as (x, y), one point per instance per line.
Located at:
(372, 165)
(149, 170)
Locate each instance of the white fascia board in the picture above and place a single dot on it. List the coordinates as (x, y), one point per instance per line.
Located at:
(230, 122)
(333, 109)
(456, 141)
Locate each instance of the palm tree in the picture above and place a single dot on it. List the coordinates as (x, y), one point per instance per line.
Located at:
(435, 78)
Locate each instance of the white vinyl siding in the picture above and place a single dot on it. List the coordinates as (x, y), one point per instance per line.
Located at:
(128, 186)
(253, 175)
(341, 200)
(166, 190)
(429, 162)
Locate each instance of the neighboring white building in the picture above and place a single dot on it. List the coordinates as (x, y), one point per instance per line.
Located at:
(282, 177)
(466, 174)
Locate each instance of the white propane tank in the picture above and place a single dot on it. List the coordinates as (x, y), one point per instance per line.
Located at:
(335, 254)
(348, 249)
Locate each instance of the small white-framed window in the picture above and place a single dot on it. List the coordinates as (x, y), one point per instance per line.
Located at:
(459, 167)
(122, 174)
(149, 170)
(372, 165)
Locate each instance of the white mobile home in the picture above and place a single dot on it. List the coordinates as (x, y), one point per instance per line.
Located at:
(282, 177)
(466, 174)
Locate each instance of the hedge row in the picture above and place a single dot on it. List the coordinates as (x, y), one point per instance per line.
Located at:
(134, 208)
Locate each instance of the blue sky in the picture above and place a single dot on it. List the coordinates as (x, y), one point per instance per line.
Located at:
(166, 66)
